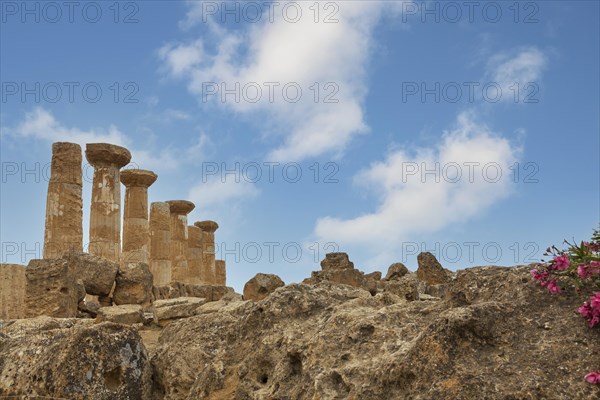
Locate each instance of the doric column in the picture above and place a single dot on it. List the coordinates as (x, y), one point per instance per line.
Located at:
(194, 256)
(64, 213)
(179, 237)
(221, 272)
(160, 243)
(208, 243)
(136, 232)
(105, 213)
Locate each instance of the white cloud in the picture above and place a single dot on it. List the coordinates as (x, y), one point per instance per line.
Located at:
(414, 203)
(515, 70)
(41, 124)
(303, 53)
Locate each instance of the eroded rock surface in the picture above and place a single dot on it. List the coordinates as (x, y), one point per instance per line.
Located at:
(261, 286)
(494, 335)
(68, 359)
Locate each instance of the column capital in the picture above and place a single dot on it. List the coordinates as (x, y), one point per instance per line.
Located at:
(207, 226)
(104, 153)
(137, 178)
(181, 207)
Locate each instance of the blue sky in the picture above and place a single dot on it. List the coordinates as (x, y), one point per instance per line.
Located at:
(497, 100)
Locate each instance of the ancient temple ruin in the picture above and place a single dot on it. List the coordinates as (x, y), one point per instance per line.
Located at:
(156, 256)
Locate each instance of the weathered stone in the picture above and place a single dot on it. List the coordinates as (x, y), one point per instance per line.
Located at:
(376, 275)
(405, 287)
(127, 314)
(182, 307)
(50, 289)
(221, 272)
(194, 256)
(336, 261)
(136, 228)
(79, 362)
(178, 289)
(12, 291)
(430, 270)
(105, 212)
(330, 341)
(98, 274)
(160, 243)
(64, 203)
(261, 286)
(179, 210)
(396, 271)
(133, 285)
(209, 268)
(105, 301)
(90, 308)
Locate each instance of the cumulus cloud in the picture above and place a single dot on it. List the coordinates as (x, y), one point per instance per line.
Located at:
(428, 189)
(267, 55)
(41, 124)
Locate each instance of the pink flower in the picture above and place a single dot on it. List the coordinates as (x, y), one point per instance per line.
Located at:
(593, 377)
(539, 276)
(561, 262)
(583, 271)
(553, 287)
(591, 310)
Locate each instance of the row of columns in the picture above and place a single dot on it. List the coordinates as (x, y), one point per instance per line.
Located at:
(173, 250)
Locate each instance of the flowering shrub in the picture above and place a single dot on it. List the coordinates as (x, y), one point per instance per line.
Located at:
(575, 269)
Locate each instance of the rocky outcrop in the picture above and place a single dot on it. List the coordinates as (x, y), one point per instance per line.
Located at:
(495, 335)
(12, 291)
(337, 267)
(98, 274)
(430, 270)
(133, 285)
(68, 359)
(396, 271)
(261, 286)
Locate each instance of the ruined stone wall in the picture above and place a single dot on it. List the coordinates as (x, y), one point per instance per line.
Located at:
(12, 291)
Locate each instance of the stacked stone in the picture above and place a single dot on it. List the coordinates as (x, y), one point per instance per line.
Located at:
(64, 204)
(105, 213)
(221, 273)
(160, 243)
(136, 229)
(194, 256)
(209, 270)
(179, 238)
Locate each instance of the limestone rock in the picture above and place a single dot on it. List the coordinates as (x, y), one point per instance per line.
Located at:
(331, 341)
(396, 271)
(335, 261)
(261, 286)
(178, 289)
(430, 270)
(133, 285)
(89, 308)
(406, 287)
(127, 314)
(68, 360)
(182, 307)
(12, 291)
(50, 289)
(376, 275)
(98, 274)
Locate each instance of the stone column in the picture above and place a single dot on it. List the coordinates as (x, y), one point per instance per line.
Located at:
(221, 272)
(208, 251)
(194, 256)
(160, 243)
(105, 213)
(136, 229)
(64, 205)
(179, 238)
